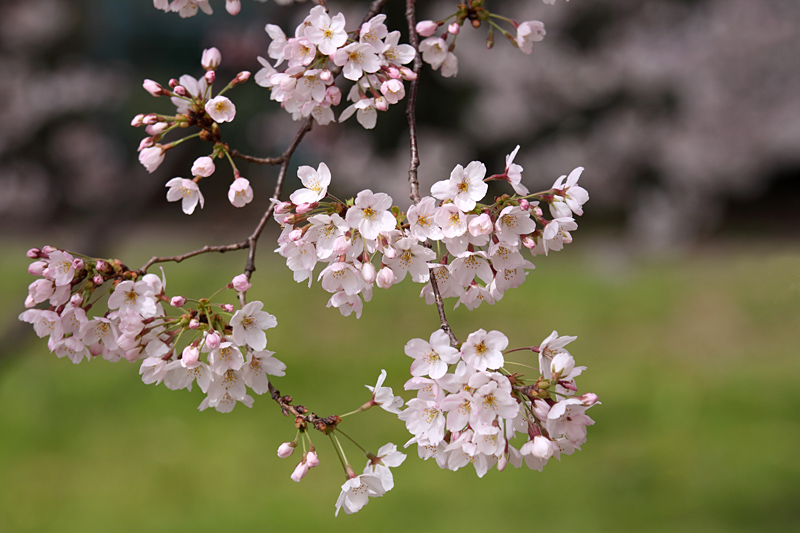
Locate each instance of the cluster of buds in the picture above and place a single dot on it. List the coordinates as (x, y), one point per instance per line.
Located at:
(370, 56)
(136, 327)
(483, 242)
(437, 50)
(469, 408)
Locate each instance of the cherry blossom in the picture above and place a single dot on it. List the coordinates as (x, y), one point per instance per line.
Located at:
(185, 191)
(249, 324)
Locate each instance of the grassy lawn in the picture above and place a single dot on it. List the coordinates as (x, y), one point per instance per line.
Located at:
(695, 361)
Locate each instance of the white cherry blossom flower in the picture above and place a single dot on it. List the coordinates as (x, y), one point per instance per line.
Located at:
(529, 32)
(366, 113)
(574, 195)
(384, 396)
(356, 59)
(356, 492)
(412, 258)
(434, 51)
(327, 33)
(187, 192)
(240, 193)
(513, 222)
(371, 214)
(484, 350)
(315, 183)
(465, 186)
(260, 365)
(431, 358)
(220, 109)
(249, 323)
(514, 174)
(387, 457)
(152, 157)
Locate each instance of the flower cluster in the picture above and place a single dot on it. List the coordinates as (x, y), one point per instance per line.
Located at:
(482, 255)
(194, 106)
(371, 57)
(136, 327)
(188, 8)
(438, 52)
(468, 408)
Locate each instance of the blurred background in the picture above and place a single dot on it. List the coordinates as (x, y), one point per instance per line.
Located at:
(683, 284)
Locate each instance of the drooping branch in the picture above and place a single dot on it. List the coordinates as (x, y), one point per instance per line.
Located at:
(413, 179)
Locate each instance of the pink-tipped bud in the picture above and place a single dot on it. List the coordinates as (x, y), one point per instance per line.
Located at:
(241, 283)
(286, 449)
(203, 166)
(502, 462)
(233, 6)
(213, 340)
(33, 253)
(147, 142)
(480, 225)
(300, 471)
(173, 83)
(211, 58)
(47, 250)
(326, 76)
(393, 72)
(368, 273)
(537, 211)
(37, 268)
(540, 409)
(407, 74)
(180, 90)
(101, 266)
(381, 104)
(283, 207)
(137, 120)
(78, 263)
(524, 204)
(333, 95)
(76, 300)
(389, 252)
(312, 460)
(150, 119)
(177, 301)
(153, 87)
(385, 278)
(454, 28)
(341, 245)
(194, 323)
(295, 235)
(588, 399)
(242, 77)
(210, 77)
(426, 28)
(303, 209)
(156, 129)
(528, 242)
(228, 308)
(190, 357)
(97, 280)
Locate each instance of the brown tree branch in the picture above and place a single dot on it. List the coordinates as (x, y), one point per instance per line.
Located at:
(413, 180)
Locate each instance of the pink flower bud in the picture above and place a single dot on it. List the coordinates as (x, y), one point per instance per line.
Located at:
(37, 268)
(368, 272)
(300, 471)
(381, 104)
(213, 340)
(524, 204)
(78, 263)
(407, 74)
(312, 460)
(295, 235)
(228, 308)
(101, 266)
(286, 449)
(173, 82)
(150, 119)
(302, 209)
(177, 301)
(454, 28)
(47, 250)
(389, 252)
(180, 90)
(341, 245)
(194, 323)
(137, 120)
(153, 87)
(233, 6)
(333, 95)
(528, 242)
(242, 77)
(326, 76)
(97, 280)
(203, 166)
(147, 142)
(540, 409)
(77, 300)
(241, 283)
(588, 399)
(426, 28)
(283, 207)
(537, 211)
(190, 357)
(156, 129)
(210, 77)
(385, 278)
(480, 225)
(502, 462)
(33, 253)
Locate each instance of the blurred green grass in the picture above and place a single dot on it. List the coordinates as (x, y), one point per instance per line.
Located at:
(694, 359)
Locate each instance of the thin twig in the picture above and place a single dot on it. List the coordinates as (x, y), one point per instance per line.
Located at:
(413, 180)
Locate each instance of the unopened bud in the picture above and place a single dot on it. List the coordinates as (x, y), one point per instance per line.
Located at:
(153, 87)
(296, 234)
(47, 250)
(381, 104)
(177, 301)
(524, 204)
(37, 268)
(368, 273)
(180, 90)
(302, 209)
(101, 266)
(286, 449)
(300, 471)
(588, 399)
(233, 6)
(407, 74)
(150, 119)
(210, 76)
(426, 28)
(137, 120)
(78, 263)
(326, 76)
(312, 460)
(502, 462)
(393, 72)
(333, 94)
(33, 253)
(194, 324)
(385, 278)
(241, 283)
(173, 83)
(389, 252)
(528, 242)
(228, 308)
(242, 77)
(341, 245)
(156, 129)
(97, 280)
(76, 300)
(213, 340)
(190, 357)
(454, 28)
(283, 207)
